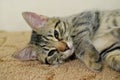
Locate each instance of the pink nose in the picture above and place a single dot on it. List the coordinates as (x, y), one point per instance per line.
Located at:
(62, 46)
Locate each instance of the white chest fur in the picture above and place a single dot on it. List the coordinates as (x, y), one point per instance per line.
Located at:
(103, 42)
(103, 37)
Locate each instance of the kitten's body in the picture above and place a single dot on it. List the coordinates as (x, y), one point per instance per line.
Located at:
(92, 36)
(103, 29)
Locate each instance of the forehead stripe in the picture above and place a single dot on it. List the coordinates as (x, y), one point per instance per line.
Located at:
(64, 27)
(57, 23)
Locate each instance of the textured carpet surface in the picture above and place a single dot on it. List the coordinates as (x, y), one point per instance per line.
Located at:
(12, 69)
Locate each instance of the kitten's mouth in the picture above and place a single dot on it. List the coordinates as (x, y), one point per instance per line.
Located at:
(65, 56)
(67, 53)
(56, 59)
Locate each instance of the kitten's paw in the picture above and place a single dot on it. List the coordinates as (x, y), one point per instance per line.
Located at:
(94, 66)
(113, 61)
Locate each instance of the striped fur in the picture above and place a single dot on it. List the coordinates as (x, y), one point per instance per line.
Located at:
(92, 36)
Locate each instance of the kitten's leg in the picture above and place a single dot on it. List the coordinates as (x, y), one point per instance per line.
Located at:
(89, 55)
(113, 59)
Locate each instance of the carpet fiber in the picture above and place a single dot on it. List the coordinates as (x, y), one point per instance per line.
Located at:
(12, 69)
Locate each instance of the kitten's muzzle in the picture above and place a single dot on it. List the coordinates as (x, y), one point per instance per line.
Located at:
(62, 46)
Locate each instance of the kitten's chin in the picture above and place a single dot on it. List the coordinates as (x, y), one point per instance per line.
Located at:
(68, 53)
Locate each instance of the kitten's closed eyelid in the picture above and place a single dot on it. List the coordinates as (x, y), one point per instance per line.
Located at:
(51, 52)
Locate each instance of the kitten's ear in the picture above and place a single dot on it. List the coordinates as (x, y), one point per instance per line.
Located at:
(35, 21)
(28, 53)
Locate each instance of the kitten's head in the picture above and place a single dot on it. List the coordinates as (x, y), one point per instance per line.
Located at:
(51, 37)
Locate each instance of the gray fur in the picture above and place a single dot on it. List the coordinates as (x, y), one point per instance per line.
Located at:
(92, 36)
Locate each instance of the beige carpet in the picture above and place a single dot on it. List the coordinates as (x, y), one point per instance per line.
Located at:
(12, 69)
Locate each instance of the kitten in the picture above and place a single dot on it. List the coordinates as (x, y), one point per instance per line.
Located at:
(92, 36)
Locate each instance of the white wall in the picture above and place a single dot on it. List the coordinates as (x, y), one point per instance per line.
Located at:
(10, 10)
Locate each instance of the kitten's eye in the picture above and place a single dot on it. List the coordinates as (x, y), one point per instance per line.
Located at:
(56, 34)
(51, 52)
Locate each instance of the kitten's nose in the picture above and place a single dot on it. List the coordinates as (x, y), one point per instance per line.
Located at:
(62, 46)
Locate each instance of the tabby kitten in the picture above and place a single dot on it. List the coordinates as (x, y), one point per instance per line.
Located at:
(92, 36)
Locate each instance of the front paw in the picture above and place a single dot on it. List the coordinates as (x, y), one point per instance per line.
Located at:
(94, 66)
